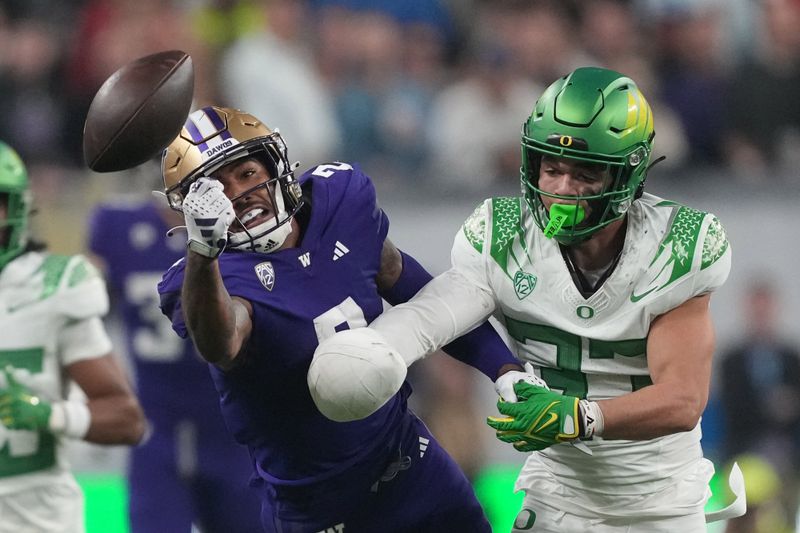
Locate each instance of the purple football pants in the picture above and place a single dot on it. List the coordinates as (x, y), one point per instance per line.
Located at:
(417, 488)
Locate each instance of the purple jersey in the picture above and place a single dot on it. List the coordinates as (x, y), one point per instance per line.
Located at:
(320, 475)
(299, 295)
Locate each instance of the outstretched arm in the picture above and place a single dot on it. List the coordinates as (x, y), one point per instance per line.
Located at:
(401, 277)
(219, 324)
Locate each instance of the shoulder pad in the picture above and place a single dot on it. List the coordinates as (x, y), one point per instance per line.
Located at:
(693, 242)
(475, 226)
(327, 170)
(498, 222)
(715, 243)
(74, 286)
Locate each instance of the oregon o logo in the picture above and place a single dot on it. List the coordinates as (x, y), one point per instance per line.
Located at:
(585, 311)
(525, 519)
(565, 140)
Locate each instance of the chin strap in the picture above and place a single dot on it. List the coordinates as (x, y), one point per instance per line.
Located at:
(640, 190)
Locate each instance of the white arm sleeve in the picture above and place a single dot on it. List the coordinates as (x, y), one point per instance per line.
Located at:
(450, 305)
(446, 308)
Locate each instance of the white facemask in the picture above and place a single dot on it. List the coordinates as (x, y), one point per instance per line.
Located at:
(264, 242)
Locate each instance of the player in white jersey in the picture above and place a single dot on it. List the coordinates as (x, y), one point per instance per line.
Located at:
(605, 290)
(52, 336)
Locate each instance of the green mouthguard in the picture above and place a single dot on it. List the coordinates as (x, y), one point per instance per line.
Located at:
(561, 215)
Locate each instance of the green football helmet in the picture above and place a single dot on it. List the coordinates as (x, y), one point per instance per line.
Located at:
(594, 116)
(15, 187)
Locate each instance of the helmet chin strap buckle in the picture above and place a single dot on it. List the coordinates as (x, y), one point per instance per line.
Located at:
(559, 216)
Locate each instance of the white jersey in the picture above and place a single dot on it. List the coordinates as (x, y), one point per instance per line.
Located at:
(50, 317)
(595, 347)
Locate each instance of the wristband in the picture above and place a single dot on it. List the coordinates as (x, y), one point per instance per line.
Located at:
(591, 419)
(204, 249)
(70, 418)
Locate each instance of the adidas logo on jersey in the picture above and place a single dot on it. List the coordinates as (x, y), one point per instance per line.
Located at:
(339, 251)
(423, 445)
(338, 528)
(305, 259)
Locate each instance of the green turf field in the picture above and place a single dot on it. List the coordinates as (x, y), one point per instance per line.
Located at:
(107, 498)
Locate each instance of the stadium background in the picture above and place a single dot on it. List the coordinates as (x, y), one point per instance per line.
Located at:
(429, 96)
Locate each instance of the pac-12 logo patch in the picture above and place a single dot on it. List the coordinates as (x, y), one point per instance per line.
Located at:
(266, 274)
(524, 284)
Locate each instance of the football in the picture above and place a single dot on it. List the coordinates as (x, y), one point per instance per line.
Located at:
(138, 111)
(353, 374)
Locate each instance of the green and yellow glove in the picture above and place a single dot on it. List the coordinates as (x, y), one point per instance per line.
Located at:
(539, 419)
(20, 408)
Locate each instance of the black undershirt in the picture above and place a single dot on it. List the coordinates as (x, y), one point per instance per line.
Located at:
(586, 288)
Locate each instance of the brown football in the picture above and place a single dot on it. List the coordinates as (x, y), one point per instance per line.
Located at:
(138, 111)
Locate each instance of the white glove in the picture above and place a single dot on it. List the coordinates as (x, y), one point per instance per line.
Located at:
(208, 214)
(505, 383)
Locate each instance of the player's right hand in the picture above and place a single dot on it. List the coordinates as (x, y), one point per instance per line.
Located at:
(504, 385)
(20, 408)
(538, 420)
(208, 214)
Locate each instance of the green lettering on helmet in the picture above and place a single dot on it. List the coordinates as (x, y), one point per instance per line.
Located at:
(563, 215)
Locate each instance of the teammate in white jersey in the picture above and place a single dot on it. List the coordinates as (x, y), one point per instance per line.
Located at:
(605, 290)
(52, 336)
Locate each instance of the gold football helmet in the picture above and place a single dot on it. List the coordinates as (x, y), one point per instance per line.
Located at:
(217, 136)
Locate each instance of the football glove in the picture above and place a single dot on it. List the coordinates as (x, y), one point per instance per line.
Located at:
(208, 214)
(504, 385)
(21, 408)
(539, 419)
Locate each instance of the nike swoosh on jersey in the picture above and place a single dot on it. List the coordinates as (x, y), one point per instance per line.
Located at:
(636, 297)
(14, 308)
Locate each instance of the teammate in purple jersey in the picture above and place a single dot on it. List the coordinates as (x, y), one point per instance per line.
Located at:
(303, 259)
(190, 470)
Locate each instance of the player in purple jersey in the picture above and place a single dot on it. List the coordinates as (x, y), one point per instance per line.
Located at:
(303, 259)
(190, 471)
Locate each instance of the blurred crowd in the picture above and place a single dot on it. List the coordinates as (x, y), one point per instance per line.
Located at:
(431, 94)
(429, 91)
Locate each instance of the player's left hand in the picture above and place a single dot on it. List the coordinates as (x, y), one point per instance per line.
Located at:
(20, 407)
(538, 420)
